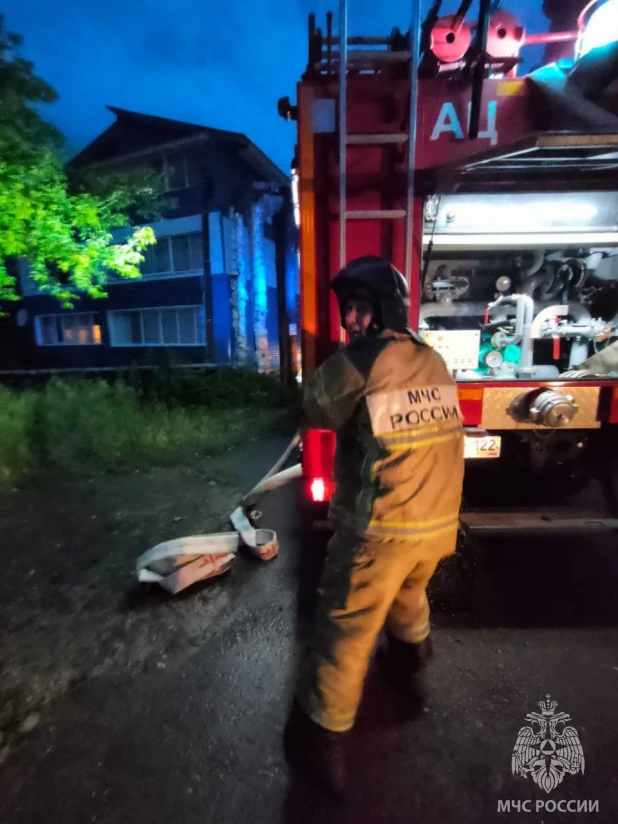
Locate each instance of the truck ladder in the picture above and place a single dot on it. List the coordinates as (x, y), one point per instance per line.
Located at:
(356, 58)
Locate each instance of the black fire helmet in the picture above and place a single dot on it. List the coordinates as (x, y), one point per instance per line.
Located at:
(377, 281)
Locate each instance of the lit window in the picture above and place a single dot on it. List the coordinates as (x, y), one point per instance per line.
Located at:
(173, 326)
(80, 329)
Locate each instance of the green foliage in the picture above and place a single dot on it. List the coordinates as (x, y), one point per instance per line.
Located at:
(23, 132)
(61, 227)
(137, 190)
(42, 222)
(79, 425)
(221, 388)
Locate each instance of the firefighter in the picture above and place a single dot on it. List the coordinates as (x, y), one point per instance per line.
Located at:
(398, 484)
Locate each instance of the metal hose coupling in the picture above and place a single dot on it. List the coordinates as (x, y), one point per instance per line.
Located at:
(544, 407)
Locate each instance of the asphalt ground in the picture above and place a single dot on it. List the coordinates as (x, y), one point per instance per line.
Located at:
(199, 738)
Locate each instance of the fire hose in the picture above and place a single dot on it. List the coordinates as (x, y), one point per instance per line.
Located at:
(178, 563)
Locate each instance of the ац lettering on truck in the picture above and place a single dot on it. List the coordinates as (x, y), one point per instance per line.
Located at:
(513, 262)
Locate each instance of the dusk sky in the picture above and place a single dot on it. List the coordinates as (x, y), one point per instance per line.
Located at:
(217, 63)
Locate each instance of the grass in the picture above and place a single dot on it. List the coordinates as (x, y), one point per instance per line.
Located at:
(76, 425)
(217, 389)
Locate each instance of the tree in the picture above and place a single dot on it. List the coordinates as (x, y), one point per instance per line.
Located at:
(60, 222)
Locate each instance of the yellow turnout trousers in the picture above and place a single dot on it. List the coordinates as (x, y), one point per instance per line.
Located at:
(365, 585)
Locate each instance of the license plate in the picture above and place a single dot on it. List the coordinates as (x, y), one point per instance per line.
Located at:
(487, 446)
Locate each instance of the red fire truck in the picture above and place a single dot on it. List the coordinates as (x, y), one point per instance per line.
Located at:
(496, 194)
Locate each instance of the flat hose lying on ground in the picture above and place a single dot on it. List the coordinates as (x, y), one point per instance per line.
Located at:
(181, 562)
(265, 484)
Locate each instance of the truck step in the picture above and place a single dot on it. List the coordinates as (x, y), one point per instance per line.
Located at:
(542, 521)
(369, 139)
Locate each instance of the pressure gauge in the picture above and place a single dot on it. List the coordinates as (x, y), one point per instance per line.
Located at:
(494, 359)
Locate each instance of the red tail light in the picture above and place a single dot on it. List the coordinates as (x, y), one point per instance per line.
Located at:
(318, 458)
(317, 490)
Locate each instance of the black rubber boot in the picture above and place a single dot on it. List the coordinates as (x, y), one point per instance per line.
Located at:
(404, 665)
(315, 750)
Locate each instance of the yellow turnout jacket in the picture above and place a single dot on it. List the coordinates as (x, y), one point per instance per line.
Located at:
(399, 461)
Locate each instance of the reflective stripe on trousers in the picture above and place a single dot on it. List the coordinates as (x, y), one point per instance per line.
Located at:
(401, 530)
(365, 585)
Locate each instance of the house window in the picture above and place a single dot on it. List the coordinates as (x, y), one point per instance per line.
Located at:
(174, 255)
(170, 326)
(181, 171)
(67, 330)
